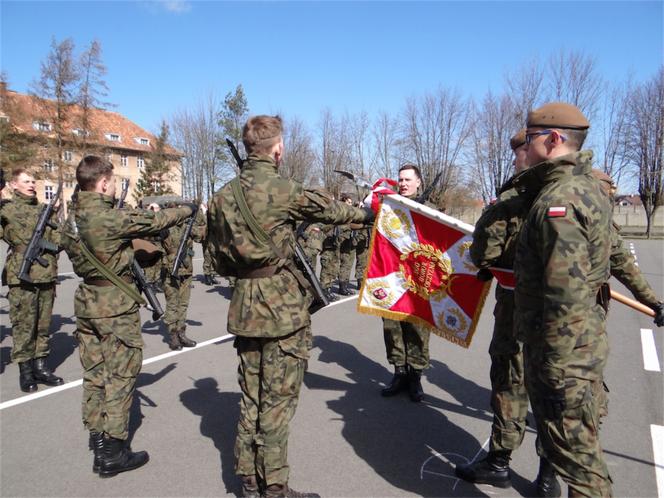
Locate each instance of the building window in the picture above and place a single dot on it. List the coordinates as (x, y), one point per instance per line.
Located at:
(4, 119)
(48, 165)
(67, 156)
(142, 141)
(140, 162)
(48, 192)
(123, 160)
(41, 126)
(113, 137)
(156, 185)
(124, 183)
(69, 180)
(79, 132)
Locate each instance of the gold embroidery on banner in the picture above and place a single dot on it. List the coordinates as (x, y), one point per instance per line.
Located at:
(453, 322)
(379, 293)
(424, 263)
(395, 223)
(462, 251)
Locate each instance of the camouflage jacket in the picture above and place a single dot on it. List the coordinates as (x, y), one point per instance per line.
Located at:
(172, 242)
(271, 306)
(18, 219)
(108, 232)
(562, 259)
(496, 232)
(624, 268)
(313, 236)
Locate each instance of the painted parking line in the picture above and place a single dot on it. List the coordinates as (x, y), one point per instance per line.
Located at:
(76, 383)
(657, 433)
(650, 359)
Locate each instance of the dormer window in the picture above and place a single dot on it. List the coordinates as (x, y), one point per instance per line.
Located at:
(113, 137)
(80, 132)
(142, 141)
(4, 119)
(41, 126)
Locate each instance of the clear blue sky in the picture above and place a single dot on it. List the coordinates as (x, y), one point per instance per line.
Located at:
(300, 57)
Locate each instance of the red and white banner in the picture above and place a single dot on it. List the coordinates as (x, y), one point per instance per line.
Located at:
(419, 270)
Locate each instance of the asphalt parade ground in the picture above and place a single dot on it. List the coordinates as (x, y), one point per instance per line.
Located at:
(346, 440)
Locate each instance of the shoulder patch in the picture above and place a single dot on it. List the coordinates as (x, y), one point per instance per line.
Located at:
(556, 211)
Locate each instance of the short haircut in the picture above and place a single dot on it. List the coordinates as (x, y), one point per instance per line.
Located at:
(16, 172)
(91, 169)
(261, 133)
(414, 168)
(575, 138)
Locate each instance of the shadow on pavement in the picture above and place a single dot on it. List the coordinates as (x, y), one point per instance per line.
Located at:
(139, 400)
(413, 446)
(214, 407)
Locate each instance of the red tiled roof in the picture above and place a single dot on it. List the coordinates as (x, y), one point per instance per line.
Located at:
(25, 110)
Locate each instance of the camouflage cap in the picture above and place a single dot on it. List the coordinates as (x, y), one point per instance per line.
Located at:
(557, 115)
(518, 139)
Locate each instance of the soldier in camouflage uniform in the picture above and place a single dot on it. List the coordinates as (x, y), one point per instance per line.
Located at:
(561, 264)
(208, 268)
(178, 289)
(108, 326)
(346, 252)
(30, 304)
(311, 241)
(494, 243)
(406, 344)
(329, 258)
(269, 308)
(362, 239)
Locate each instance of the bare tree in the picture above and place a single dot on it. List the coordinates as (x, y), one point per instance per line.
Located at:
(435, 128)
(525, 86)
(57, 83)
(613, 130)
(334, 153)
(299, 157)
(92, 90)
(646, 144)
(386, 145)
(490, 154)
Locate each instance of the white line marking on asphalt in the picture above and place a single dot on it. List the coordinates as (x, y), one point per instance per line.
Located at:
(443, 457)
(657, 432)
(76, 383)
(650, 360)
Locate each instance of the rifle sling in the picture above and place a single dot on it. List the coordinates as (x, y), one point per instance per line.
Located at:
(260, 233)
(109, 275)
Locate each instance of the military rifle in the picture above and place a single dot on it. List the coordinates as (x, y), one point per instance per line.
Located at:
(424, 197)
(38, 244)
(321, 299)
(182, 248)
(139, 275)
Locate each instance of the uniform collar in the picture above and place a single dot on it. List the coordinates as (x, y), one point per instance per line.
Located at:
(573, 164)
(25, 199)
(88, 200)
(260, 162)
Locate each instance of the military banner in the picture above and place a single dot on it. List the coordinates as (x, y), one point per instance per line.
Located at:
(419, 270)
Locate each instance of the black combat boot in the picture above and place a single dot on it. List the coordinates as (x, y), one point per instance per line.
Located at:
(250, 487)
(184, 340)
(330, 294)
(213, 281)
(283, 491)
(546, 482)
(415, 390)
(26, 378)
(174, 342)
(43, 375)
(343, 288)
(206, 279)
(96, 444)
(494, 470)
(117, 457)
(398, 383)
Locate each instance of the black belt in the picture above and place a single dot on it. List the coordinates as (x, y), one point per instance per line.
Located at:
(265, 271)
(102, 282)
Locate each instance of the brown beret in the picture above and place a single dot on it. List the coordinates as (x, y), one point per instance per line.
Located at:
(606, 182)
(557, 115)
(518, 139)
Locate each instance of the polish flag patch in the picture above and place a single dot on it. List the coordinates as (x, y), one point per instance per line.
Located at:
(557, 211)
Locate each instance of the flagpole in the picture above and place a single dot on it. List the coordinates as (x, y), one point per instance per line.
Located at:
(632, 303)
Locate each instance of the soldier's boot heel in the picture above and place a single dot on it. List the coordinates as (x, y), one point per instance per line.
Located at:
(330, 294)
(206, 280)
(44, 375)
(343, 289)
(250, 487)
(118, 457)
(546, 483)
(415, 390)
(283, 491)
(174, 342)
(96, 444)
(184, 340)
(398, 383)
(493, 470)
(213, 281)
(26, 379)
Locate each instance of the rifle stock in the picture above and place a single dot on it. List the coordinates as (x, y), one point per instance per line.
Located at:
(38, 245)
(182, 248)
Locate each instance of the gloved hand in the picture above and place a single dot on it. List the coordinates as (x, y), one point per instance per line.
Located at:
(659, 314)
(553, 402)
(484, 275)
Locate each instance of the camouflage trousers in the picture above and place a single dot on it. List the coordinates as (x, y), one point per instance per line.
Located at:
(177, 292)
(111, 352)
(153, 272)
(509, 398)
(329, 266)
(406, 344)
(571, 443)
(208, 268)
(361, 257)
(30, 308)
(270, 374)
(346, 260)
